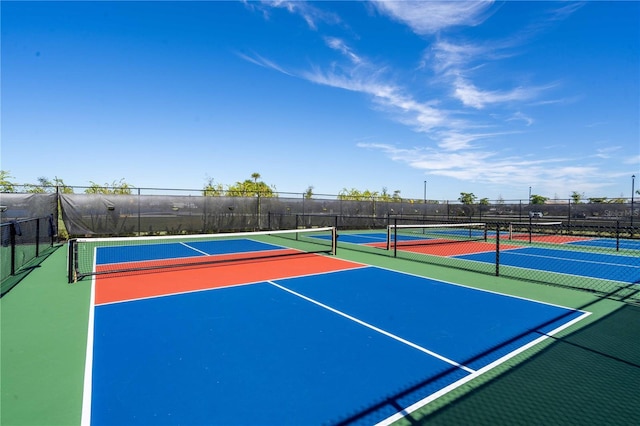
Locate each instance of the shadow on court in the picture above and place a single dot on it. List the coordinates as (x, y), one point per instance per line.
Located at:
(588, 377)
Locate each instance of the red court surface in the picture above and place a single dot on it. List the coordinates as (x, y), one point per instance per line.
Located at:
(448, 248)
(131, 286)
(557, 239)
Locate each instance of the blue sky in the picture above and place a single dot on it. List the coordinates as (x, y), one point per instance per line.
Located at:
(484, 97)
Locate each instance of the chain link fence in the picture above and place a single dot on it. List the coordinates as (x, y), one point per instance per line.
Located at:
(150, 211)
(512, 224)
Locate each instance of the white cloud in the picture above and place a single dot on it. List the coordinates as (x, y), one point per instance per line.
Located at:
(606, 152)
(471, 96)
(428, 17)
(263, 62)
(308, 12)
(634, 160)
(519, 116)
(450, 109)
(422, 116)
(548, 175)
(340, 45)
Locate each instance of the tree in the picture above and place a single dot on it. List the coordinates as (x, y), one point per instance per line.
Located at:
(349, 194)
(357, 195)
(5, 183)
(118, 188)
(212, 189)
(538, 199)
(255, 177)
(576, 197)
(62, 187)
(467, 198)
(308, 194)
(597, 200)
(251, 188)
(44, 185)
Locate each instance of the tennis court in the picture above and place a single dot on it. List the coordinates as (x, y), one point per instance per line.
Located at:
(256, 330)
(616, 260)
(621, 268)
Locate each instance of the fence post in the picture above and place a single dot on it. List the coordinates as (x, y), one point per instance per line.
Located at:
(497, 249)
(139, 226)
(12, 242)
(37, 237)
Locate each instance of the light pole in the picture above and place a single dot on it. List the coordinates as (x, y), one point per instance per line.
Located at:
(529, 196)
(425, 197)
(633, 188)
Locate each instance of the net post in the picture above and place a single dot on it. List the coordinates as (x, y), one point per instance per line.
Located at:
(395, 238)
(334, 240)
(388, 236)
(71, 260)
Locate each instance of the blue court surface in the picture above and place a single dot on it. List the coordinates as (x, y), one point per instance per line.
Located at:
(622, 244)
(307, 350)
(379, 237)
(613, 267)
(137, 253)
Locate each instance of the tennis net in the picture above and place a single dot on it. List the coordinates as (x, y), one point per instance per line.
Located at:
(534, 231)
(96, 256)
(428, 234)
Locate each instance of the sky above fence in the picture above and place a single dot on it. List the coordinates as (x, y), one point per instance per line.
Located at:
(501, 99)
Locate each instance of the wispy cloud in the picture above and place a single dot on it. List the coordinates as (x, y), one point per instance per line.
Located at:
(633, 160)
(311, 15)
(263, 62)
(490, 167)
(606, 152)
(460, 118)
(472, 96)
(392, 98)
(341, 46)
(428, 17)
(519, 116)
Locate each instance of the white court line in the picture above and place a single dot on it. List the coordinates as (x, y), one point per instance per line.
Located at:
(374, 328)
(85, 419)
(195, 249)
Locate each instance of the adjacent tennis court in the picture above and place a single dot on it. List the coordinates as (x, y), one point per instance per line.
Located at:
(617, 261)
(266, 329)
